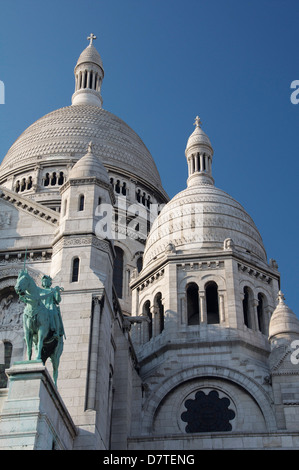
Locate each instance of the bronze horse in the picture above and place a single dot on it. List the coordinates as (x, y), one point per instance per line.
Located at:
(37, 322)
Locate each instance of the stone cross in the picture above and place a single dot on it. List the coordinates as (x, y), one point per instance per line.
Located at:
(280, 297)
(197, 122)
(91, 37)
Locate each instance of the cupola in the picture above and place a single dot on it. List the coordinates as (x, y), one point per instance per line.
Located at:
(90, 166)
(89, 74)
(284, 325)
(199, 154)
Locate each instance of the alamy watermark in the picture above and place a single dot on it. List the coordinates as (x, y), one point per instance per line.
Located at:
(295, 353)
(180, 224)
(295, 95)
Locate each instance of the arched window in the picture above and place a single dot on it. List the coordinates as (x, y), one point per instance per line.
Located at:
(54, 179)
(23, 184)
(192, 304)
(247, 303)
(6, 365)
(148, 325)
(212, 303)
(17, 186)
(139, 264)
(61, 178)
(261, 313)
(159, 314)
(75, 270)
(117, 187)
(81, 203)
(29, 182)
(118, 272)
(47, 180)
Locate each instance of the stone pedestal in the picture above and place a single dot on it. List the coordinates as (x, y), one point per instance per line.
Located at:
(34, 416)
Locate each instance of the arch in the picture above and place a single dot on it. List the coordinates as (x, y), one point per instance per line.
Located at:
(47, 179)
(118, 271)
(117, 187)
(192, 304)
(247, 307)
(139, 263)
(75, 269)
(212, 302)
(54, 179)
(81, 203)
(61, 178)
(29, 182)
(261, 314)
(23, 184)
(146, 311)
(159, 314)
(253, 388)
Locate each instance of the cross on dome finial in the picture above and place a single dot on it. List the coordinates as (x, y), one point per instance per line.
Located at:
(280, 297)
(197, 122)
(91, 37)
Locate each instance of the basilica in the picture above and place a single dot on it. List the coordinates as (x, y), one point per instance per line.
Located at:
(176, 333)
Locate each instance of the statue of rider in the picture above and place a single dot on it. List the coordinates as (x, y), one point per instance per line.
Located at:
(51, 299)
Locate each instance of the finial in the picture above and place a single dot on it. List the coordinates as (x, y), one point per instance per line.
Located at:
(197, 122)
(91, 37)
(280, 297)
(89, 148)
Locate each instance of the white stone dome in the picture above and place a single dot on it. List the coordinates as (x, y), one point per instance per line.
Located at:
(63, 136)
(201, 218)
(90, 55)
(283, 321)
(90, 166)
(198, 137)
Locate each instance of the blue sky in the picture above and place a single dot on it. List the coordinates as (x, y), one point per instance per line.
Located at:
(231, 62)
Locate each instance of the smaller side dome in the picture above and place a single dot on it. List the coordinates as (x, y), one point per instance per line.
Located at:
(284, 325)
(89, 166)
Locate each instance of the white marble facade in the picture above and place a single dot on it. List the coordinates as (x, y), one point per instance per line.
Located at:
(177, 336)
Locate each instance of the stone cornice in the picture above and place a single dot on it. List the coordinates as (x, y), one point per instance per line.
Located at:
(204, 261)
(37, 210)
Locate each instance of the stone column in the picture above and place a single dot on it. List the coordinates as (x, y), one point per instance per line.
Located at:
(202, 308)
(221, 307)
(255, 325)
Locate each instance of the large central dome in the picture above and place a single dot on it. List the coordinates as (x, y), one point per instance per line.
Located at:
(65, 134)
(55, 142)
